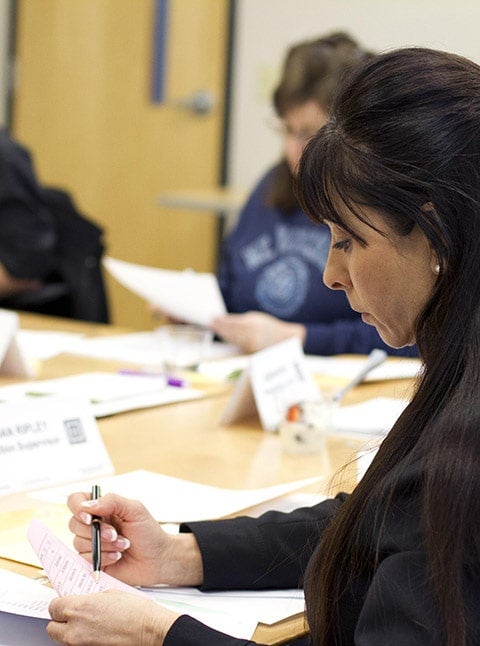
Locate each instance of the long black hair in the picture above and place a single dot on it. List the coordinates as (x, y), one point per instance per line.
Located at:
(404, 139)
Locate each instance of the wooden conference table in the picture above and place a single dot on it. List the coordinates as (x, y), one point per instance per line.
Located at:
(185, 440)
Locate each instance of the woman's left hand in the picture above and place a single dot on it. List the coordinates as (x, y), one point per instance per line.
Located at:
(254, 331)
(108, 618)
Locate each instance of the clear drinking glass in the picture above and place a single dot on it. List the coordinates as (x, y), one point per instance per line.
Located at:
(183, 347)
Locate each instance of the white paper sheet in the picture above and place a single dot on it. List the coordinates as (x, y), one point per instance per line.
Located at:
(108, 392)
(20, 595)
(23, 610)
(269, 606)
(175, 500)
(44, 344)
(142, 348)
(347, 367)
(186, 295)
(371, 417)
(342, 367)
(236, 613)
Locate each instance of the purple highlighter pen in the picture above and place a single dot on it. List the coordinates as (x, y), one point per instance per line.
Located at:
(176, 382)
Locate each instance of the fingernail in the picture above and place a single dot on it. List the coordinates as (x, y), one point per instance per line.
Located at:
(113, 556)
(88, 503)
(109, 534)
(122, 543)
(87, 519)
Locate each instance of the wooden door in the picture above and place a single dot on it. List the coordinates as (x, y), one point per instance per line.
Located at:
(83, 106)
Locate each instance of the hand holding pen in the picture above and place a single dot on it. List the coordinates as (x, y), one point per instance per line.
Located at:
(135, 549)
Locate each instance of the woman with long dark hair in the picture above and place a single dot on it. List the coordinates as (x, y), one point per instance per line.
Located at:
(399, 161)
(395, 174)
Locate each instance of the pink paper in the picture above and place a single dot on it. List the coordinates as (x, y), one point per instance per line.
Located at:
(67, 571)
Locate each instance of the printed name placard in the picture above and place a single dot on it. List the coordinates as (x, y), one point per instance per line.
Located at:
(274, 379)
(12, 361)
(52, 441)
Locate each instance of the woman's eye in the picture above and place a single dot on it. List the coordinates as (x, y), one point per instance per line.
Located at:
(342, 244)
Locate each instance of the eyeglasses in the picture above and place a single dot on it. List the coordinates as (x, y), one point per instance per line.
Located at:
(283, 129)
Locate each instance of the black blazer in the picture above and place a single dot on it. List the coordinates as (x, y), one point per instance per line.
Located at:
(388, 603)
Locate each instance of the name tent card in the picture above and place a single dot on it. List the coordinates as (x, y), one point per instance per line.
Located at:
(52, 441)
(274, 379)
(12, 361)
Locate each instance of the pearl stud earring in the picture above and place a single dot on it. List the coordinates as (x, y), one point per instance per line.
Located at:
(436, 269)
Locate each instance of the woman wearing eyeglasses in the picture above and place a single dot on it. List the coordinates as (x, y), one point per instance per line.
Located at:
(272, 264)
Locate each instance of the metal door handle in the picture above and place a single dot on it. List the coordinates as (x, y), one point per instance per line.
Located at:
(200, 102)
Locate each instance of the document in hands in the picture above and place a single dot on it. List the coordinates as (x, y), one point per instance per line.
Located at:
(185, 295)
(236, 613)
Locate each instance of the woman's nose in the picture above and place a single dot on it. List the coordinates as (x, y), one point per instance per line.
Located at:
(335, 275)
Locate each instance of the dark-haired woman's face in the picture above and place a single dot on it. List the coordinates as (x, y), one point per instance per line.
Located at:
(388, 280)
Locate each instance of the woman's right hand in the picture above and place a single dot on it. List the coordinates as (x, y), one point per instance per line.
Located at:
(135, 549)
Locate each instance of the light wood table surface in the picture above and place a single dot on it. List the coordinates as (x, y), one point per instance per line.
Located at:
(186, 440)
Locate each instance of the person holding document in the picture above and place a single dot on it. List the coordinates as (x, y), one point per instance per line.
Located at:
(271, 265)
(395, 175)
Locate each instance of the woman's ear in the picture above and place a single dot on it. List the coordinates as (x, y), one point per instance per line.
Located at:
(435, 264)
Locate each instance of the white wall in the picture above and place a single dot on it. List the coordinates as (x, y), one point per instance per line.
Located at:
(265, 29)
(4, 61)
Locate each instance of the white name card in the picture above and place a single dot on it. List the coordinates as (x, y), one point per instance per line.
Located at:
(274, 379)
(12, 361)
(50, 441)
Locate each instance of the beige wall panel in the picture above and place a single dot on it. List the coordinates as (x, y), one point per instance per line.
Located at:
(83, 106)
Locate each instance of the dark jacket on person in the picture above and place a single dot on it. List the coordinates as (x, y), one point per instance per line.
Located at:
(44, 237)
(389, 603)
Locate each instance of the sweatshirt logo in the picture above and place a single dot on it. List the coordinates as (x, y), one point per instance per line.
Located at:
(282, 287)
(283, 259)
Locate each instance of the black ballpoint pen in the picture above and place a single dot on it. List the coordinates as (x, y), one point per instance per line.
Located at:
(96, 541)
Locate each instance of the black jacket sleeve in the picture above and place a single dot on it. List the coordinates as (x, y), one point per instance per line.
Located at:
(271, 551)
(252, 553)
(187, 631)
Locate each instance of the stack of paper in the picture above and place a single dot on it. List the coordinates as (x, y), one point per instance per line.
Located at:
(235, 613)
